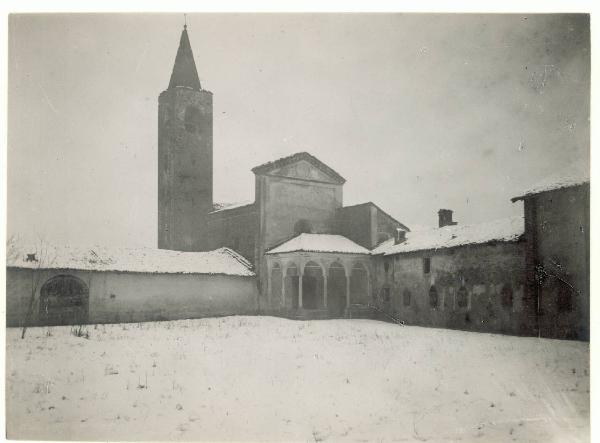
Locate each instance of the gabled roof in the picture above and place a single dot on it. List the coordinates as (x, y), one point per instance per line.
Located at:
(222, 261)
(575, 174)
(505, 230)
(184, 70)
(265, 168)
(320, 243)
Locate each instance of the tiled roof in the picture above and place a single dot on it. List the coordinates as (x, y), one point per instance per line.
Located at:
(505, 230)
(148, 260)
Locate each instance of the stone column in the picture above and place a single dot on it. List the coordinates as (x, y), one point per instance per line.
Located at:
(369, 295)
(269, 286)
(300, 288)
(283, 272)
(347, 291)
(324, 290)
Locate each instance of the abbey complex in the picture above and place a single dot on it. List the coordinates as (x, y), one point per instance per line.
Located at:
(297, 251)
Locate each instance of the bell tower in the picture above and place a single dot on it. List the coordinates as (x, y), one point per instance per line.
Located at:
(185, 156)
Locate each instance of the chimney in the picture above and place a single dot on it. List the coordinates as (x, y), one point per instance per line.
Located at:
(445, 218)
(400, 236)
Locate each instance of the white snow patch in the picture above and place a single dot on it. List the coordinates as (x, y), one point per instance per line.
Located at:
(320, 243)
(574, 174)
(218, 207)
(509, 229)
(270, 379)
(47, 256)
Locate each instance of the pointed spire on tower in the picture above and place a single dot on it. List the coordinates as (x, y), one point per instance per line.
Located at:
(184, 70)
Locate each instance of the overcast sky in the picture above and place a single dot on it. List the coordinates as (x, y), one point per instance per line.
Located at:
(417, 112)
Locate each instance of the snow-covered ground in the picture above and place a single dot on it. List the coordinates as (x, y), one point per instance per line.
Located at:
(263, 378)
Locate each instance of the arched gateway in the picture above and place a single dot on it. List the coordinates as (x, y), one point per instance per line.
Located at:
(64, 301)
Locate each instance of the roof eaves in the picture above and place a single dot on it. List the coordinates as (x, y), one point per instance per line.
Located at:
(486, 242)
(543, 191)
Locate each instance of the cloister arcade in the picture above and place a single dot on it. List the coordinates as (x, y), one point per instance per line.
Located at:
(318, 281)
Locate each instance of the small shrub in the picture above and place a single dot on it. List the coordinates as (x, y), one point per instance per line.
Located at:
(80, 331)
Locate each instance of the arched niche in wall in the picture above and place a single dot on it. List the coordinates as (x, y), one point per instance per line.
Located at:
(64, 300)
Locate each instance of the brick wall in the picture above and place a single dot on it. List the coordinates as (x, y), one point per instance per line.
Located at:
(481, 276)
(558, 227)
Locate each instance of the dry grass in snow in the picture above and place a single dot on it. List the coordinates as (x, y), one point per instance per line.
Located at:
(262, 378)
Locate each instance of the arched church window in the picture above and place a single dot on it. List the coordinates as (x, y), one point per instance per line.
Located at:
(192, 119)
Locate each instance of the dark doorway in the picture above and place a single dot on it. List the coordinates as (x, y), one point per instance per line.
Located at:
(312, 286)
(309, 292)
(295, 285)
(276, 276)
(336, 290)
(64, 301)
(291, 287)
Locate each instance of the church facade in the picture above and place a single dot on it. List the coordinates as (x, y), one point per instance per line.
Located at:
(316, 258)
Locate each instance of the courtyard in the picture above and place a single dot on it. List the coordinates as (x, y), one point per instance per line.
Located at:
(265, 378)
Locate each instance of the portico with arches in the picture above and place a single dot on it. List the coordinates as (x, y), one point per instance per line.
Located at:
(318, 275)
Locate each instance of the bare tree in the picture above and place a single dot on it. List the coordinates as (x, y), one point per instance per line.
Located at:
(39, 257)
(12, 251)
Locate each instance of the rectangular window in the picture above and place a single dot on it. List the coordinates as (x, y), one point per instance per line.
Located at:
(386, 294)
(426, 265)
(406, 297)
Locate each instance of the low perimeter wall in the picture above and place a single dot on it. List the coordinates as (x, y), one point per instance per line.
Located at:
(120, 297)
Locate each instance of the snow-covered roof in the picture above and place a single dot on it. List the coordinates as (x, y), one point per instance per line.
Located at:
(572, 175)
(320, 243)
(218, 207)
(509, 229)
(220, 261)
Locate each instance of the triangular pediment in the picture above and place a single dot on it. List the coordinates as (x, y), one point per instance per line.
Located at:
(301, 166)
(304, 171)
